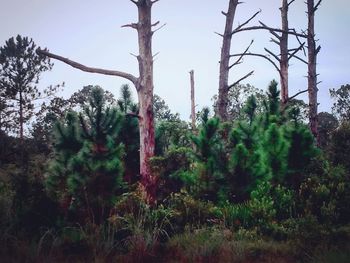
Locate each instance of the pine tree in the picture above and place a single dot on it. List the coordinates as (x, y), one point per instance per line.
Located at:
(246, 161)
(87, 168)
(129, 134)
(20, 68)
(211, 161)
(302, 149)
(275, 152)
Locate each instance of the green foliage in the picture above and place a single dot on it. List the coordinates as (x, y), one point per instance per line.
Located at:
(261, 205)
(275, 152)
(246, 158)
(339, 148)
(301, 152)
(237, 99)
(162, 111)
(235, 216)
(255, 190)
(20, 69)
(129, 134)
(171, 134)
(327, 123)
(284, 202)
(341, 106)
(210, 165)
(273, 93)
(191, 212)
(86, 171)
(172, 171)
(325, 194)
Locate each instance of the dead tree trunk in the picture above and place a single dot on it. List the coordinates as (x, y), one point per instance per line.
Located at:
(144, 88)
(284, 52)
(145, 94)
(312, 62)
(193, 105)
(225, 60)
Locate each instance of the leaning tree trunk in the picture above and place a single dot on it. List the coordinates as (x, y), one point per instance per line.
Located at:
(144, 88)
(312, 74)
(284, 52)
(224, 62)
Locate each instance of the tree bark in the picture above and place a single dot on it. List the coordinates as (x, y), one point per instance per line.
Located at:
(193, 105)
(224, 62)
(284, 52)
(312, 73)
(145, 94)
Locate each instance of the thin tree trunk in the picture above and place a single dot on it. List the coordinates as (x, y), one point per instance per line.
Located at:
(21, 117)
(312, 74)
(193, 105)
(284, 52)
(224, 62)
(21, 132)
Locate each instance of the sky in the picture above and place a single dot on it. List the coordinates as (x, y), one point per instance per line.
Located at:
(89, 31)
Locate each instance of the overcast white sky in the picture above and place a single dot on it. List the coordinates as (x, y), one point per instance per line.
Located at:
(89, 31)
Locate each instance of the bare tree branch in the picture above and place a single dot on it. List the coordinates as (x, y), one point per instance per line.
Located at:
(297, 94)
(299, 41)
(159, 28)
(155, 1)
(243, 78)
(221, 35)
(250, 19)
(317, 5)
(239, 60)
(291, 2)
(132, 25)
(77, 65)
(259, 55)
(264, 27)
(300, 59)
(272, 31)
(277, 42)
(272, 54)
(156, 23)
(318, 49)
(295, 51)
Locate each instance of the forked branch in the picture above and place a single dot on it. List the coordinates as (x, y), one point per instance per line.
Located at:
(239, 60)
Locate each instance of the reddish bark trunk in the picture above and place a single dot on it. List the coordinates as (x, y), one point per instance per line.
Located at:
(144, 89)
